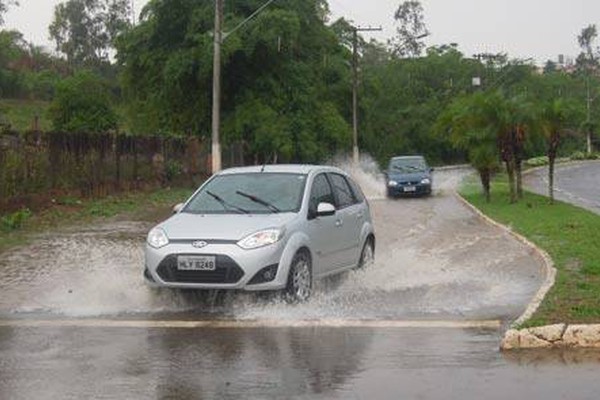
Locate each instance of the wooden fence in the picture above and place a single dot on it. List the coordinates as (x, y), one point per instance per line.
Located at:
(35, 167)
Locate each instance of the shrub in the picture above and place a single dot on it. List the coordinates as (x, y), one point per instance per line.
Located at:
(15, 220)
(82, 104)
(537, 161)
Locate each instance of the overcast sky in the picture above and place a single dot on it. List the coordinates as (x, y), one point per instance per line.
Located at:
(541, 29)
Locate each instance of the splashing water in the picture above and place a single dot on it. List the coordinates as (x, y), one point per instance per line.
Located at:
(434, 260)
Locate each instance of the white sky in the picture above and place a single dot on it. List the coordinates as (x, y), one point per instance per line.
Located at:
(541, 29)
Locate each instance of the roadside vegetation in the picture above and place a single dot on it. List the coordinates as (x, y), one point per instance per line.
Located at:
(18, 227)
(568, 233)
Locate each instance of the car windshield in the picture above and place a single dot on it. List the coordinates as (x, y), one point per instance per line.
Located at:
(408, 165)
(249, 193)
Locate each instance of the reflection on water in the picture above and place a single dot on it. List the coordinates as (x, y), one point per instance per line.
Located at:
(179, 364)
(252, 363)
(536, 357)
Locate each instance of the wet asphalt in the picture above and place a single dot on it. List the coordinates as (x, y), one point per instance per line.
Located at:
(425, 322)
(577, 183)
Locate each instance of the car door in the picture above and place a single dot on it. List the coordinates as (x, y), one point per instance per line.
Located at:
(325, 235)
(349, 217)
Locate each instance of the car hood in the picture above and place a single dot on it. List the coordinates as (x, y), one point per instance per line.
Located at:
(184, 226)
(405, 177)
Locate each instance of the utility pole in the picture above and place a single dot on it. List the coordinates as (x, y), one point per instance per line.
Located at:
(219, 37)
(216, 110)
(589, 116)
(355, 152)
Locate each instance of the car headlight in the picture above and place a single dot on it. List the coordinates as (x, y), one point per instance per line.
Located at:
(261, 239)
(425, 181)
(157, 238)
(392, 183)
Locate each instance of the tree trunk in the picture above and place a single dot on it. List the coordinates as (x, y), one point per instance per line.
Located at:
(519, 176)
(485, 175)
(551, 159)
(552, 152)
(510, 170)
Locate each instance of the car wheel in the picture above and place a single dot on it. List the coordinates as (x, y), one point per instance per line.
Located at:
(367, 256)
(299, 285)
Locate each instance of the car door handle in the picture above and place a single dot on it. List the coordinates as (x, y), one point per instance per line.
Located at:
(359, 215)
(339, 223)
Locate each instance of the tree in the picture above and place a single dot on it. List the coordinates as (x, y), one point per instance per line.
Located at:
(280, 71)
(410, 30)
(82, 104)
(4, 6)
(555, 117)
(587, 63)
(465, 122)
(85, 30)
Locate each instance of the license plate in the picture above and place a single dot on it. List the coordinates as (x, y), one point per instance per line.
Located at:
(410, 189)
(196, 263)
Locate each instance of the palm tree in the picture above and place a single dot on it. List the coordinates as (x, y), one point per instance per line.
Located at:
(466, 123)
(555, 116)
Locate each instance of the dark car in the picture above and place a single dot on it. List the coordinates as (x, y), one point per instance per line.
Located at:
(408, 175)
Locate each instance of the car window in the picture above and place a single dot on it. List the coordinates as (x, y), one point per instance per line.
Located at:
(249, 193)
(344, 194)
(320, 193)
(358, 194)
(408, 165)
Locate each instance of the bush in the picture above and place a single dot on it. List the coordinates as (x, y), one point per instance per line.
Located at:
(578, 155)
(537, 161)
(15, 220)
(82, 104)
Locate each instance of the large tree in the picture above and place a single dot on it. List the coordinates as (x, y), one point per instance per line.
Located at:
(4, 6)
(85, 30)
(410, 30)
(588, 63)
(285, 77)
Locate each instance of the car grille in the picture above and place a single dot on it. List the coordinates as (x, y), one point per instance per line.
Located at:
(410, 183)
(227, 271)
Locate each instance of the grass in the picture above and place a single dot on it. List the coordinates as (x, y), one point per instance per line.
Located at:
(570, 235)
(147, 206)
(20, 114)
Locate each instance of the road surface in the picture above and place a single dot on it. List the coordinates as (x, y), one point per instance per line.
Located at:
(578, 184)
(424, 322)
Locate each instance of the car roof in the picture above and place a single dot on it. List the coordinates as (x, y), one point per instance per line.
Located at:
(303, 169)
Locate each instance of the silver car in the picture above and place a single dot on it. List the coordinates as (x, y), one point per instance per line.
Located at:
(276, 227)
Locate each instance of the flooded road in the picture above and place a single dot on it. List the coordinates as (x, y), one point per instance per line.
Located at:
(76, 320)
(305, 363)
(435, 260)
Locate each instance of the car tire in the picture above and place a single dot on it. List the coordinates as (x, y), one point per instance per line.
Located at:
(367, 255)
(299, 283)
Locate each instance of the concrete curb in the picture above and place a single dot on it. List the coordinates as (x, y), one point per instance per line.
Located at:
(546, 260)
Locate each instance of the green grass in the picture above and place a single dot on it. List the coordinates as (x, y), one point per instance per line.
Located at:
(20, 114)
(569, 234)
(69, 211)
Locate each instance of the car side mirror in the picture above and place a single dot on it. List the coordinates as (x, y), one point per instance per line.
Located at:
(325, 210)
(177, 208)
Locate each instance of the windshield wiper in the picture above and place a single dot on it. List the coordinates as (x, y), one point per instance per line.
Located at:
(260, 201)
(225, 204)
